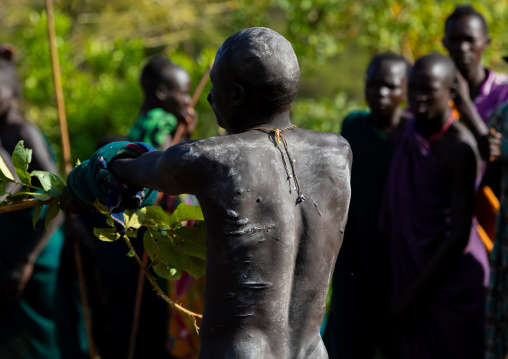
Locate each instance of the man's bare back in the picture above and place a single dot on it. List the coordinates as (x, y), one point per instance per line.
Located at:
(270, 255)
(269, 259)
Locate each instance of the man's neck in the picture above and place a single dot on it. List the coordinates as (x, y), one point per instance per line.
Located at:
(386, 123)
(280, 121)
(475, 80)
(430, 127)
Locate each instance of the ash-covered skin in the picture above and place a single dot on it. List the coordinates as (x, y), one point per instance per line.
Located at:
(270, 257)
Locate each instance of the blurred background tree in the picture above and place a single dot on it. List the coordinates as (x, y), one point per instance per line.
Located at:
(103, 44)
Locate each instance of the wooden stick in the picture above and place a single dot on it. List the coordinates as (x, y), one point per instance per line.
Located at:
(64, 133)
(137, 306)
(66, 149)
(181, 126)
(27, 203)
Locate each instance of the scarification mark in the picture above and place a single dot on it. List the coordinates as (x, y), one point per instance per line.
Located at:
(232, 213)
(251, 230)
(257, 285)
(243, 221)
(315, 205)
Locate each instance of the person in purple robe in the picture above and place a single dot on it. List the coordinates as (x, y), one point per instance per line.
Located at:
(466, 38)
(439, 264)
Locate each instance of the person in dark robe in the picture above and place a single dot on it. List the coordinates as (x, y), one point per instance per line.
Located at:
(439, 264)
(357, 323)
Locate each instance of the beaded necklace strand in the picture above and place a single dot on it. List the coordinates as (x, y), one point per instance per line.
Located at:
(281, 139)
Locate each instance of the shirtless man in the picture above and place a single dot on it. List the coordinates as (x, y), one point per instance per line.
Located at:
(439, 265)
(271, 248)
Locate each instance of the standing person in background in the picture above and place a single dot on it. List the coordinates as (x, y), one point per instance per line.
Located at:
(29, 258)
(166, 89)
(166, 105)
(361, 285)
(439, 264)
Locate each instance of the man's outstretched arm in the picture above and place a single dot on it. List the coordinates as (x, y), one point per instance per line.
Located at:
(173, 171)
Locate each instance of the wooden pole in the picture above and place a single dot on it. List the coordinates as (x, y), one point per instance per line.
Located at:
(27, 203)
(137, 306)
(181, 126)
(66, 149)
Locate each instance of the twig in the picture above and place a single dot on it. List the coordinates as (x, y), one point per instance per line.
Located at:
(159, 291)
(27, 203)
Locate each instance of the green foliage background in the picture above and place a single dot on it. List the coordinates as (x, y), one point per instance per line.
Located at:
(102, 46)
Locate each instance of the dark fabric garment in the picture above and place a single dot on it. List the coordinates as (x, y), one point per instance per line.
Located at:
(361, 284)
(497, 302)
(416, 217)
(153, 127)
(27, 325)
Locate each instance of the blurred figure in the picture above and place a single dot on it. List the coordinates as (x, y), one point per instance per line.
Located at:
(166, 89)
(466, 38)
(29, 258)
(166, 105)
(361, 286)
(439, 264)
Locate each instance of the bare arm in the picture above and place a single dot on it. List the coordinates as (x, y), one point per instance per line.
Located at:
(174, 171)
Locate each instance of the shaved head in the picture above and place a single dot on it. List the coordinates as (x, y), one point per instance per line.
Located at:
(438, 65)
(264, 60)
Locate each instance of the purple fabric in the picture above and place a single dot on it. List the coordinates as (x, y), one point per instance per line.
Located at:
(416, 218)
(494, 91)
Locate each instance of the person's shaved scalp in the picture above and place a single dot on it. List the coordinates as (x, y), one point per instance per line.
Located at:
(264, 60)
(388, 57)
(466, 10)
(156, 70)
(436, 58)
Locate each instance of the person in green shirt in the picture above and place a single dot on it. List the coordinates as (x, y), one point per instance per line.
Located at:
(166, 103)
(361, 286)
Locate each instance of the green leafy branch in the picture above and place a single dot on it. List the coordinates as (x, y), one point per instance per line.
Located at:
(49, 192)
(171, 246)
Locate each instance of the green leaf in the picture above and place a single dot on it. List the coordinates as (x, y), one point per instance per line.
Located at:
(3, 187)
(37, 213)
(21, 157)
(40, 196)
(18, 197)
(191, 240)
(156, 216)
(165, 271)
(50, 182)
(5, 173)
(186, 212)
(131, 233)
(52, 212)
(134, 218)
(106, 234)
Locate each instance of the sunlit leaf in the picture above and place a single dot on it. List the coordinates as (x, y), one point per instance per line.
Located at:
(134, 218)
(5, 173)
(106, 234)
(18, 197)
(186, 212)
(156, 216)
(191, 240)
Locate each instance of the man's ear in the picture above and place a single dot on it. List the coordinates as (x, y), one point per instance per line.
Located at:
(238, 96)
(162, 92)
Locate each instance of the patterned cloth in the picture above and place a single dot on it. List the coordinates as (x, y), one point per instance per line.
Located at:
(493, 92)
(497, 301)
(416, 218)
(153, 127)
(91, 179)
